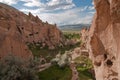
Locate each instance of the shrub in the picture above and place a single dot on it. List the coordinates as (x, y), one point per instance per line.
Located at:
(15, 68)
(83, 63)
(63, 60)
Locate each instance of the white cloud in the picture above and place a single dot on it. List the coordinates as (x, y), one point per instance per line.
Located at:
(31, 10)
(85, 20)
(91, 8)
(68, 14)
(49, 5)
(71, 16)
(92, 2)
(32, 3)
(84, 8)
(54, 17)
(92, 12)
(59, 4)
(65, 17)
(10, 2)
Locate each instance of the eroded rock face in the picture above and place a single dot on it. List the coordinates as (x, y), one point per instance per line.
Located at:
(104, 40)
(84, 37)
(17, 29)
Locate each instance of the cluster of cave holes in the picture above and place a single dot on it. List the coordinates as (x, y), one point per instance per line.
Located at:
(108, 62)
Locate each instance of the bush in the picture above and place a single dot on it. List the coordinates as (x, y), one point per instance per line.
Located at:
(84, 68)
(83, 63)
(15, 68)
(63, 60)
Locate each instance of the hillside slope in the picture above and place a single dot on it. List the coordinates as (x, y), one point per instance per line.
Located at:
(17, 29)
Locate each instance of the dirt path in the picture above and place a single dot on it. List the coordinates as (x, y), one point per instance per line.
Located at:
(74, 72)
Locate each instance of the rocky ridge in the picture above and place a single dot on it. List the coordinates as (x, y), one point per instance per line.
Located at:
(17, 29)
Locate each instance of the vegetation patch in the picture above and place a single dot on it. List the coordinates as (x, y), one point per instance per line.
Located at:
(84, 68)
(15, 68)
(83, 63)
(85, 75)
(71, 35)
(50, 54)
(56, 73)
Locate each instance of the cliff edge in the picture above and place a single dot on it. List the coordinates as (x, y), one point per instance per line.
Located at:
(104, 40)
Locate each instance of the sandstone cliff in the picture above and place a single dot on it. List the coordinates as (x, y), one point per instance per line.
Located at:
(104, 40)
(17, 29)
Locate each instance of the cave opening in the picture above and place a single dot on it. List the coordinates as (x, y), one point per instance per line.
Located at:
(105, 56)
(109, 62)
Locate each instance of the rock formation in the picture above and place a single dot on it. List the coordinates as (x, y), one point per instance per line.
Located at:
(84, 37)
(104, 40)
(17, 29)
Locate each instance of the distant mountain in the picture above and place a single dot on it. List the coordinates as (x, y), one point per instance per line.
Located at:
(74, 26)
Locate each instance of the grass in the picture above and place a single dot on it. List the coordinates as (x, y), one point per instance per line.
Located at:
(71, 35)
(84, 64)
(71, 31)
(55, 73)
(85, 75)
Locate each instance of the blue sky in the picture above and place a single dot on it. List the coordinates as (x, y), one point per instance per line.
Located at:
(61, 12)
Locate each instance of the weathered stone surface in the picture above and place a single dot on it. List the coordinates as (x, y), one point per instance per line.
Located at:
(84, 37)
(17, 29)
(104, 40)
